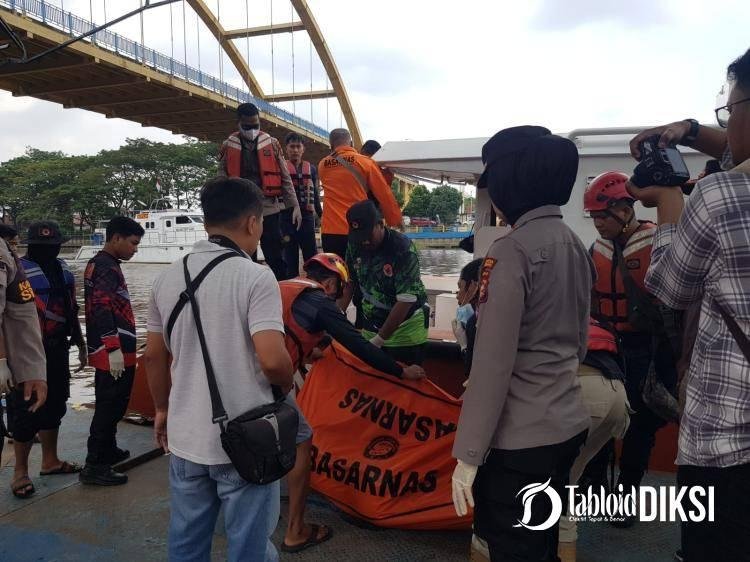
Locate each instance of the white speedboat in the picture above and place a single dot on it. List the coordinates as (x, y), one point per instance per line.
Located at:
(170, 234)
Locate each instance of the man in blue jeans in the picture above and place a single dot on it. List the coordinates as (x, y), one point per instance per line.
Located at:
(240, 308)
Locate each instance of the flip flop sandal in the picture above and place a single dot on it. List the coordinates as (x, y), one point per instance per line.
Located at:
(23, 488)
(65, 468)
(311, 541)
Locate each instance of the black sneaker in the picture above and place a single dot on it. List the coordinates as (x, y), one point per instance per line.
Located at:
(101, 475)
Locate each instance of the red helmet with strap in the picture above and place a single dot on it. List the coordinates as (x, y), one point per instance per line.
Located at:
(331, 262)
(605, 190)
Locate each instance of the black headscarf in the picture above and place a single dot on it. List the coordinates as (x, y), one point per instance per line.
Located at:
(528, 167)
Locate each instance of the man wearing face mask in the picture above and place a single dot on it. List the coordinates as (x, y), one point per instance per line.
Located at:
(523, 421)
(57, 309)
(251, 154)
(465, 323)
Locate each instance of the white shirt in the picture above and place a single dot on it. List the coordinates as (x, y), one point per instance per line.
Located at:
(237, 299)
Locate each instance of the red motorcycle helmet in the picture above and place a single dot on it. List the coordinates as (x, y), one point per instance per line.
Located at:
(605, 190)
(332, 262)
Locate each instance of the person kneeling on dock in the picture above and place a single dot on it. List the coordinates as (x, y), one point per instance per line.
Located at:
(310, 312)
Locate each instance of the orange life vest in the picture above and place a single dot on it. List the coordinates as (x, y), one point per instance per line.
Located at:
(601, 339)
(299, 342)
(303, 184)
(610, 300)
(270, 172)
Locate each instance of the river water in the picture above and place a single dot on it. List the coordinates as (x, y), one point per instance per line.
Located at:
(140, 277)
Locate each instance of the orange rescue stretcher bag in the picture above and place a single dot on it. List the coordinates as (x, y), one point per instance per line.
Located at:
(381, 446)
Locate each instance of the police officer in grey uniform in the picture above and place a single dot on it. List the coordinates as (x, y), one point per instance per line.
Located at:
(522, 420)
(22, 359)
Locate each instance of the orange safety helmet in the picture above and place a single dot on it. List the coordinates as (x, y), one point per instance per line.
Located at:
(605, 190)
(331, 262)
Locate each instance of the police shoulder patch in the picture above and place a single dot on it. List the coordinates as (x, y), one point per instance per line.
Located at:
(484, 278)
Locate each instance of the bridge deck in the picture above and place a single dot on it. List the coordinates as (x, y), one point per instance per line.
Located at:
(130, 83)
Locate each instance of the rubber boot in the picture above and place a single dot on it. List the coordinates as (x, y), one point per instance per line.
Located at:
(566, 551)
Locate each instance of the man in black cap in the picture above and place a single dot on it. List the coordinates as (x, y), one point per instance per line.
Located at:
(57, 309)
(384, 267)
(523, 421)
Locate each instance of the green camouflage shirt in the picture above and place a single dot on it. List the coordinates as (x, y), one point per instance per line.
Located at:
(391, 271)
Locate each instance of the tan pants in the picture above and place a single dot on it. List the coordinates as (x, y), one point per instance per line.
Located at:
(607, 403)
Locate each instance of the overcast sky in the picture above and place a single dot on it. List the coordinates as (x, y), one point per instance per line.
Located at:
(427, 69)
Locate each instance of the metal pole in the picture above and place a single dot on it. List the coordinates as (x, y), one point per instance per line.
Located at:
(273, 76)
(143, 39)
(294, 99)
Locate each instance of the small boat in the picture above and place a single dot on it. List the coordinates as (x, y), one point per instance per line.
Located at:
(169, 234)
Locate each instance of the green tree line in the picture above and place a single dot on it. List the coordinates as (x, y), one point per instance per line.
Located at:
(54, 185)
(444, 201)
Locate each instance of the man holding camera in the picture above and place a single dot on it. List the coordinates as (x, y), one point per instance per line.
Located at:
(700, 253)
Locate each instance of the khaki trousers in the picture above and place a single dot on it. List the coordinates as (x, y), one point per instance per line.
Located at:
(607, 403)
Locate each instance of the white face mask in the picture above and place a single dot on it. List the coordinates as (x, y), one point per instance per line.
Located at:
(250, 134)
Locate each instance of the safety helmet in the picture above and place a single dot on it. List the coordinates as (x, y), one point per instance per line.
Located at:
(331, 262)
(605, 190)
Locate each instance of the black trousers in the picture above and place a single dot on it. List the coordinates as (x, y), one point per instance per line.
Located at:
(408, 354)
(726, 539)
(112, 397)
(335, 243)
(641, 434)
(296, 240)
(498, 507)
(270, 243)
(24, 425)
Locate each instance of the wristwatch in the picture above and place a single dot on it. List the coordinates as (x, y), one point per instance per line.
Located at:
(690, 137)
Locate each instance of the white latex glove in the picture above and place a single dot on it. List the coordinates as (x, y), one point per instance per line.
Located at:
(6, 377)
(116, 363)
(460, 333)
(462, 480)
(377, 341)
(297, 217)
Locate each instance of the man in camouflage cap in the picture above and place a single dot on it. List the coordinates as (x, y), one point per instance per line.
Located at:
(384, 267)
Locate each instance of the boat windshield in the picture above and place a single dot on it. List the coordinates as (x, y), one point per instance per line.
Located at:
(197, 218)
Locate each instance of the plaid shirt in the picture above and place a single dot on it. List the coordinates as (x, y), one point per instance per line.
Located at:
(705, 257)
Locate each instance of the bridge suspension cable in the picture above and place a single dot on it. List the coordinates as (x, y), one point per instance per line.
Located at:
(273, 73)
(294, 91)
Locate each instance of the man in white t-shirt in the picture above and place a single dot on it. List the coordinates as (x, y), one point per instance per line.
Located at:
(240, 308)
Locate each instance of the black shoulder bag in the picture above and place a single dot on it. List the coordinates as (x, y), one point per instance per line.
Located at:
(261, 442)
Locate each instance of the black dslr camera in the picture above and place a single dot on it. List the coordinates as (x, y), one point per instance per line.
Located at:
(659, 166)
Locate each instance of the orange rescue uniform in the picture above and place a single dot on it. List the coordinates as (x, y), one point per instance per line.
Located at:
(610, 300)
(342, 190)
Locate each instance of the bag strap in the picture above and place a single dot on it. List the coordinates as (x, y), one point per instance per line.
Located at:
(353, 171)
(635, 293)
(184, 298)
(736, 331)
(219, 414)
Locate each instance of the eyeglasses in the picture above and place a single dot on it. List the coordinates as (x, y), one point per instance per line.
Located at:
(723, 113)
